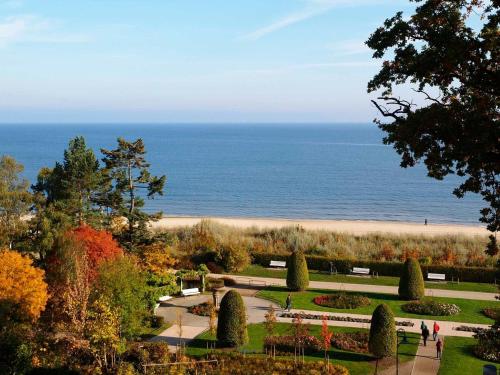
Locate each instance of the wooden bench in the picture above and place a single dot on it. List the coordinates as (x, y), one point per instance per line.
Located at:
(360, 271)
(164, 298)
(190, 292)
(277, 263)
(436, 276)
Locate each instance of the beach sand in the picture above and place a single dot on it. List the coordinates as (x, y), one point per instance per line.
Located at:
(357, 227)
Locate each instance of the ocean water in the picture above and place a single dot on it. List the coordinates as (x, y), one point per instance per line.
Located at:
(339, 171)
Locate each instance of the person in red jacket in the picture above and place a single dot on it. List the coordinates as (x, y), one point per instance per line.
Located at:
(435, 330)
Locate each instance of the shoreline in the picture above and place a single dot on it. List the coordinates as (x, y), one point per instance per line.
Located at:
(356, 227)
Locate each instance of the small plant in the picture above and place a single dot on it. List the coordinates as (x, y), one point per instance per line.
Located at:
(270, 321)
(326, 335)
(342, 300)
(493, 313)
(212, 320)
(202, 309)
(429, 307)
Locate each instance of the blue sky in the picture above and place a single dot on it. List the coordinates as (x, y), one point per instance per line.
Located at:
(188, 60)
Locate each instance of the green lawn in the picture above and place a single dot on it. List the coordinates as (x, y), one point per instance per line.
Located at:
(358, 364)
(471, 309)
(458, 357)
(256, 270)
(149, 332)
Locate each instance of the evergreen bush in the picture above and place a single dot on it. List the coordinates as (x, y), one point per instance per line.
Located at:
(411, 282)
(231, 326)
(383, 340)
(297, 276)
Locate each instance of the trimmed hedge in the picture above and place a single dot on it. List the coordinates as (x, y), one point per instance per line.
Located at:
(297, 276)
(383, 340)
(318, 263)
(411, 282)
(232, 325)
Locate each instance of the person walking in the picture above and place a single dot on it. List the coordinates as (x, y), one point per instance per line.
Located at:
(422, 326)
(288, 302)
(439, 348)
(425, 334)
(435, 330)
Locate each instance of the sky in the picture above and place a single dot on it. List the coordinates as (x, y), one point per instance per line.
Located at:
(188, 60)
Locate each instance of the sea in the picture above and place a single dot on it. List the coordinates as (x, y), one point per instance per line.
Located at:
(308, 171)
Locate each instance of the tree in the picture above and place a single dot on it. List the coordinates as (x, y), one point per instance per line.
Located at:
(297, 276)
(453, 67)
(99, 246)
(232, 326)
(382, 341)
(411, 282)
(124, 286)
(270, 322)
(233, 256)
(75, 185)
(492, 247)
(326, 335)
(15, 200)
(127, 173)
(23, 291)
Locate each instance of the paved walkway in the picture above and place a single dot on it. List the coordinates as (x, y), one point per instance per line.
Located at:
(426, 362)
(265, 281)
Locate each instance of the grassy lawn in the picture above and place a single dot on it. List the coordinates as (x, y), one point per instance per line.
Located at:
(358, 364)
(149, 332)
(259, 271)
(458, 357)
(470, 309)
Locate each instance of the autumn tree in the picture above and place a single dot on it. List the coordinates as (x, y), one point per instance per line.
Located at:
(129, 180)
(23, 291)
(450, 58)
(326, 335)
(15, 200)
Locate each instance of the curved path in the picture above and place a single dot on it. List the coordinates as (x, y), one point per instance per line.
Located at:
(267, 281)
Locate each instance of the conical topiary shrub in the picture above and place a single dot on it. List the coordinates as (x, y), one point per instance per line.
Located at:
(383, 340)
(232, 323)
(297, 276)
(411, 282)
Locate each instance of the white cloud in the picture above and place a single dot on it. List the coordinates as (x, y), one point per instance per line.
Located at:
(349, 47)
(34, 29)
(312, 8)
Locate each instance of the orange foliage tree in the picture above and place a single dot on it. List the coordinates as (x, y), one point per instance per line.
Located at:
(99, 245)
(326, 335)
(22, 286)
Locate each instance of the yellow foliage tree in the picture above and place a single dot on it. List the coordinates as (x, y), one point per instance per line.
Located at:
(22, 285)
(156, 258)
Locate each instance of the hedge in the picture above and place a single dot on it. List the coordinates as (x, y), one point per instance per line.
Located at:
(318, 263)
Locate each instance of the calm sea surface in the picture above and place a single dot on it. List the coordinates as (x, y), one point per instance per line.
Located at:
(289, 171)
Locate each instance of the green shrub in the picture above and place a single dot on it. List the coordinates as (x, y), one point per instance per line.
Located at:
(228, 281)
(233, 256)
(383, 341)
(297, 276)
(157, 321)
(232, 327)
(214, 283)
(411, 282)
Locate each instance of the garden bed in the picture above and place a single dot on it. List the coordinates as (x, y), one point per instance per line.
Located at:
(339, 318)
(351, 341)
(429, 307)
(203, 309)
(342, 301)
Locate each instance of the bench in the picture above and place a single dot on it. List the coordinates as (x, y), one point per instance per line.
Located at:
(164, 298)
(360, 271)
(277, 263)
(436, 276)
(190, 292)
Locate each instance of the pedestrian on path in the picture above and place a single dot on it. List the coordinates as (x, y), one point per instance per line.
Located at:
(439, 348)
(425, 334)
(288, 302)
(422, 326)
(435, 330)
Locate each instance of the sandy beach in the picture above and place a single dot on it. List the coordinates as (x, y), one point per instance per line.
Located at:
(345, 226)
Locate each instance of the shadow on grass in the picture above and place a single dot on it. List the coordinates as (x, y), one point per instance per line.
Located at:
(379, 296)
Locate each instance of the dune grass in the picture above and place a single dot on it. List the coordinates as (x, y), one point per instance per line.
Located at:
(470, 309)
(356, 363)
(458, 357)
(259, 271)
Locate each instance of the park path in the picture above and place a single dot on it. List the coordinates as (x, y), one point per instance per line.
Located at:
(426, 362)
(268, 281)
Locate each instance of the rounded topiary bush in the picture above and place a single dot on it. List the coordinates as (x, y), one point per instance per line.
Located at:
(232, 325)
(297, 276)
(382, 341)
(411, 282)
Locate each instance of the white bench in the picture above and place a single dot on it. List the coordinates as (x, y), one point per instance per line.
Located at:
(164, 298)
(277, 263)
(360, 271)
(436, 276)
(190, 292)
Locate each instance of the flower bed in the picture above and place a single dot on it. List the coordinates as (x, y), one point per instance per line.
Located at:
(493, 313)
(340, 318)
(203, 309)
(351, 341)
(288, 344)
(342, 301)
(488, 346)
(469, 329)
(431, 308)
